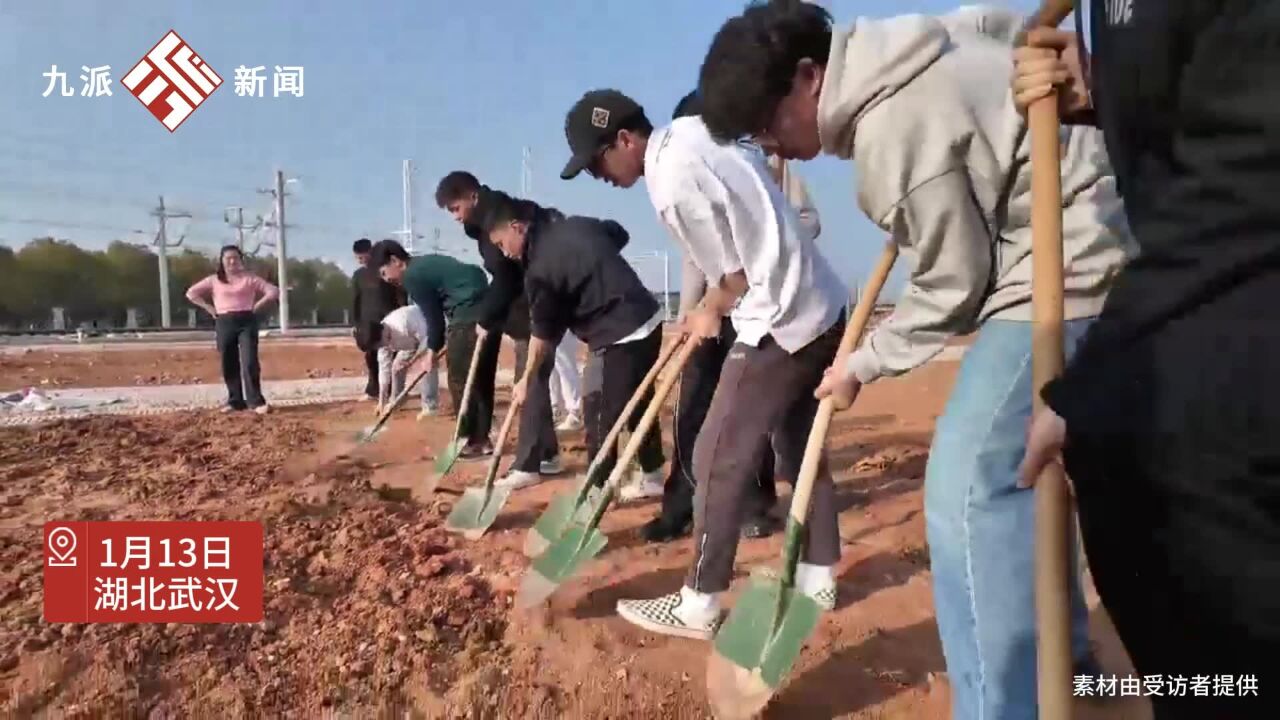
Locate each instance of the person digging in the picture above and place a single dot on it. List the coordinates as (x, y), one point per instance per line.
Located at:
(921, 107)
(504, 309)
(618, 128)
(577, 280)
(789, 322)
(447, 292)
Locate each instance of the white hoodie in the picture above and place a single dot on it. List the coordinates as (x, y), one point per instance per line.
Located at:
(922, 106)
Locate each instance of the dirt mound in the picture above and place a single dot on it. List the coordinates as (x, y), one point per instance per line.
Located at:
(366, 596)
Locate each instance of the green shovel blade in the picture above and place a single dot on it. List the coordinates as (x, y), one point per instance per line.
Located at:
(565, 509)
(767, 629)
(449, 456)
(476, 510)
(566, 556)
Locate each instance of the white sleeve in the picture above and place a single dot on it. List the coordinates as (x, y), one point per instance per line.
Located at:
(385, 358)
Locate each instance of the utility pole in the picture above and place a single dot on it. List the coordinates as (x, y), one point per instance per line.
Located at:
(282, 255)
(408, 205)
(526, 173)
(239, 225)
(162, 253)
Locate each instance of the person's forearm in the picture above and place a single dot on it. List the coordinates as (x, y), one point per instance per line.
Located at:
(539, 349)
(203, 305)
(721, 298)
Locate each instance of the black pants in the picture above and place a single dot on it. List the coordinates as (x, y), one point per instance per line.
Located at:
(537, 428)
(1178, 490)
(237, 340)
(763, 391)
(697, 387)
(460, 344)
(622, 368)
(371, 366)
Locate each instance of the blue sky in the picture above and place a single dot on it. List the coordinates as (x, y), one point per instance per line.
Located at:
(449, 85)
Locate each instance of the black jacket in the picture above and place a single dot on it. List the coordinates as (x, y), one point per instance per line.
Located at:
(577, 280)
(504, 307)
(372, 299)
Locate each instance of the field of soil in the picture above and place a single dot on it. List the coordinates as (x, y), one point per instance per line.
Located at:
(372, 609)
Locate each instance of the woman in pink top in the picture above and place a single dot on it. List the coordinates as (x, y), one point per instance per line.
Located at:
(237, 296)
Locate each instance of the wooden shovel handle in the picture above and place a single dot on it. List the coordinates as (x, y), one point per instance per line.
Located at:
(398, 400)
(663, 358)
(512, 411)
(852, 334)
(1053, 510)
(466, 389)
(687, 346)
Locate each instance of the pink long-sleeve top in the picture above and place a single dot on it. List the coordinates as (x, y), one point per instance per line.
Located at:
(239, 294)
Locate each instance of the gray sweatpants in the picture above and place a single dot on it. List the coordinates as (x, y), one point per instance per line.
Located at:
(762, 391)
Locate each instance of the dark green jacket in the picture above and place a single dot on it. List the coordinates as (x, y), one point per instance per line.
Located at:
(444, 289)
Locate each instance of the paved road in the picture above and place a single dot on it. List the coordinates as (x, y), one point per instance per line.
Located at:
(170, 398)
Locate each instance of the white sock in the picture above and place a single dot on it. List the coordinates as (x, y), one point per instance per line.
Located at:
(697, 607)
(811, 579)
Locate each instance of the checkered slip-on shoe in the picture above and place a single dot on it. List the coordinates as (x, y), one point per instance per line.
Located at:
(825, 598)
(659, 615)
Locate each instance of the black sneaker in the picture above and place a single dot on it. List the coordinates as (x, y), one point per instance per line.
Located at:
(664, 529)
(760, 527)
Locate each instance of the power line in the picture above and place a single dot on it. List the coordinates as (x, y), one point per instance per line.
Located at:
(65, 225)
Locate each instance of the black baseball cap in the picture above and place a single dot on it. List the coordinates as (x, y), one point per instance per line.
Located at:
(592, 122)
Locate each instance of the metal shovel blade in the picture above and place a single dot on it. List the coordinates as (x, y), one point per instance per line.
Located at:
(757, 645)
(571, 551)
(444, 463)
(369, 433)
(566, 509)
(476, 510)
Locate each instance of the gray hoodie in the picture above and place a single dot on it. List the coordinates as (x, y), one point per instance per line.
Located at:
(922, 106)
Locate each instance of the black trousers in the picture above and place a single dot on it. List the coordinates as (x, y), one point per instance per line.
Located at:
(460, 344)
(622, 368)
(697, 387)
(237, 340)
(537, 428)
(1178, 489)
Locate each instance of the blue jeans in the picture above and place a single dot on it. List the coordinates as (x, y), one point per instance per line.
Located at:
(981, 529)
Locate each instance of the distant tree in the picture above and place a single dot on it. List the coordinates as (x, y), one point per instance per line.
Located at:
(102, 285)
(60, 274)
(131, 281)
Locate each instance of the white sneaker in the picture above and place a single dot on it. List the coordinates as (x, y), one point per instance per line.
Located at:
(685, 613)
(643, 485)
(517, 479)
(428, 411)
(551, 467)
(570, 423)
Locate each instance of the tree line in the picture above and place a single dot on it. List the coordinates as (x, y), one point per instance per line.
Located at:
(99, 286)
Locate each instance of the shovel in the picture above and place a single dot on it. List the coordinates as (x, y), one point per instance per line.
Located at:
(755, 647)
(576, 506)
(1053, 508)
(581, 541)
(376, 428)
(478, 507)
(449, 456)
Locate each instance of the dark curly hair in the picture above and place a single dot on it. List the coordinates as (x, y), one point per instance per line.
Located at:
(752, 60)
